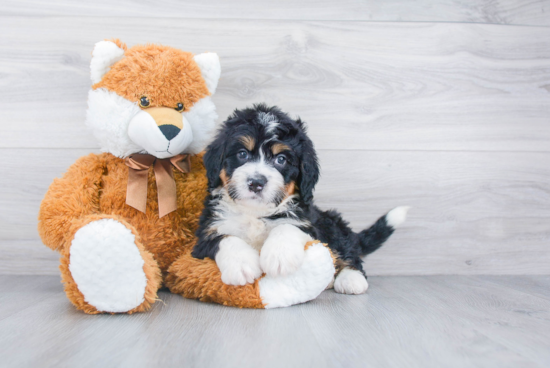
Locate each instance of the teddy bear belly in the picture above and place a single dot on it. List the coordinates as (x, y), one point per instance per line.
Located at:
(167, 237)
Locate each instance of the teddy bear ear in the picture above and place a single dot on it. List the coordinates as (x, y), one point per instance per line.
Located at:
(105, 54)
(209, 63)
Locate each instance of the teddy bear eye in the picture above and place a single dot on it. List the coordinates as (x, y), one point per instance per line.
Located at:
(179, 106)
(144, 102)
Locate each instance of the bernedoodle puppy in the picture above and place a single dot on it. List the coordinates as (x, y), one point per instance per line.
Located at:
(262, 169)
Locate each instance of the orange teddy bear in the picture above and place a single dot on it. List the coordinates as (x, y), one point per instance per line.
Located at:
(124, 220)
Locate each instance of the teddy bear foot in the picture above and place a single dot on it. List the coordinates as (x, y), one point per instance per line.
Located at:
(105, 270)
(310, 280)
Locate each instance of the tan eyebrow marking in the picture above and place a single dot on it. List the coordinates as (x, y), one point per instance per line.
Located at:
(279, 147)
(248, 142)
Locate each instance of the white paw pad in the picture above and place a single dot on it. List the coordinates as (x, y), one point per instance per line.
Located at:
(283, 251)
(350, 281)
(238, 262)
(107, 267)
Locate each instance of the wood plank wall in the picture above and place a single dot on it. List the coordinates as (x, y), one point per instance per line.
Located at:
(440, 105)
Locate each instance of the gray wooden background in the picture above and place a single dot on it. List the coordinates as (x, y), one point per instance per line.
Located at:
(443, 105)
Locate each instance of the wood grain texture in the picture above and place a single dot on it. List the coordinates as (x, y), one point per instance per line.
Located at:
(519, 12)
(359, 85)
(473, 212)
(434, 321)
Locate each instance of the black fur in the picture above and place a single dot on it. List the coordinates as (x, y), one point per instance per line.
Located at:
(302, 168)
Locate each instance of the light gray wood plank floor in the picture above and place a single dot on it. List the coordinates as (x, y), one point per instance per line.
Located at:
(423, 321)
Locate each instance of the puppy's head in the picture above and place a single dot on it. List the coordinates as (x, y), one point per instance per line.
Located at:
(261, 156)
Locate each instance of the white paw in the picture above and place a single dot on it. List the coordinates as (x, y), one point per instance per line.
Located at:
(350, 281)
(107, 266)
(238, 262)
(283, 251)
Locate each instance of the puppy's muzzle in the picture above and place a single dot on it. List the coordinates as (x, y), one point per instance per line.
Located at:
(257, 183)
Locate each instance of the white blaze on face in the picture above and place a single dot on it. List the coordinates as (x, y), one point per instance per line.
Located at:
(272, 190)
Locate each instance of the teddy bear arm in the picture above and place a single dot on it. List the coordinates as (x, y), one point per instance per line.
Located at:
(69, 200)
(201, 279)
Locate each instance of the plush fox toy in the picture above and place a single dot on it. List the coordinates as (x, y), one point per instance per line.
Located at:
(124, 220)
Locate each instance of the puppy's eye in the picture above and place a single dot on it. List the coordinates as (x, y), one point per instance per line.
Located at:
(144, 102)
(179, 106)
(242, 154)
(280, 160)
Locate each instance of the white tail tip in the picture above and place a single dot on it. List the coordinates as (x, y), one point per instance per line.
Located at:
(397, 216)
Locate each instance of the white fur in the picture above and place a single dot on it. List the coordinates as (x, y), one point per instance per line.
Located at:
(108, 117)
(143, 131)
(269, 121)
(283, 251)
(350, 281)
(248, 222)
(397, 216)
(305, 284)
(202, 117)
(239, 183)
(107, 266)
(105, 54)
(238, 262)
(209, 63)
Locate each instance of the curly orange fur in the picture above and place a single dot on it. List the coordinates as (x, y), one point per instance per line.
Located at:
(141, 73)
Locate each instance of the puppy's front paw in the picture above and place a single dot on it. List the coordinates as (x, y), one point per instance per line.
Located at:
(238, 262)
(283, 251)
(350, 281)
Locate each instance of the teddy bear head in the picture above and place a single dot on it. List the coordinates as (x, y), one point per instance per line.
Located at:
(151, 99)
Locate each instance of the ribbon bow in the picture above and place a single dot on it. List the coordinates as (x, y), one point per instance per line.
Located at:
(138, 171)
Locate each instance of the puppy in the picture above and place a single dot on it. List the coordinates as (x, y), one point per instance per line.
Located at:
(262, 169)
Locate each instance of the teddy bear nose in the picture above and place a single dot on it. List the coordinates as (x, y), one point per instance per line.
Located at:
(169, 131)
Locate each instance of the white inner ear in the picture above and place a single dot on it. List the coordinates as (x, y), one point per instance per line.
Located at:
(105, 54)
(209, 63)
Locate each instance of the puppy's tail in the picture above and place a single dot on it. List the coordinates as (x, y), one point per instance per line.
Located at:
(372, 238)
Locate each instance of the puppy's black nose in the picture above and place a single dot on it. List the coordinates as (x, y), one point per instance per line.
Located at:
(169, 131)
(257, 183)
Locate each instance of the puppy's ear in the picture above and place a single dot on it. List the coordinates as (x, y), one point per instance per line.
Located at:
(309, 170)
(213, 161)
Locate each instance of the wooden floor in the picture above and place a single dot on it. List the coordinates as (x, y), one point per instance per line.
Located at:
(422, 321)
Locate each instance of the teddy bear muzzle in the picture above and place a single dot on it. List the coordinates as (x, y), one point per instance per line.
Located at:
(160, 131)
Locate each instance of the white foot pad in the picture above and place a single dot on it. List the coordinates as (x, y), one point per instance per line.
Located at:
(350, 281)
(107, 267)
(307, 283)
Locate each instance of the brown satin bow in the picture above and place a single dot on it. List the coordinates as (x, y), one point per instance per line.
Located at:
(138, 171)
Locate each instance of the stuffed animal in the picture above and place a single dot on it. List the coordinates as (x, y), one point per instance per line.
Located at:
(124, 220)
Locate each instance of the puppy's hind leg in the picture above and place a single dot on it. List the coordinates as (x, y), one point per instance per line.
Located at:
(350, 281)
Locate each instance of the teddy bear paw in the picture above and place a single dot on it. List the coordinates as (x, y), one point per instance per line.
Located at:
(310, 280)
(107, 266)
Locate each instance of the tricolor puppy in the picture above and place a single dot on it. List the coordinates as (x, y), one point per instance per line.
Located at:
(262, 169)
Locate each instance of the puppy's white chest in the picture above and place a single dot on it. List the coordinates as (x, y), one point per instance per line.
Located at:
(249, 228)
